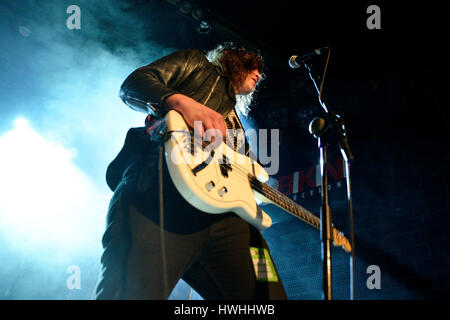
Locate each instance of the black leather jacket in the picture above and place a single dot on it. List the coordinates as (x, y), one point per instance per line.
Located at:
(187, 72)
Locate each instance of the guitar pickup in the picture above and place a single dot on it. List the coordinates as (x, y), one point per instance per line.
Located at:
(204, 164)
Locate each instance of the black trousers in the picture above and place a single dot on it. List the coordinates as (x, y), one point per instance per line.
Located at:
(210, 252)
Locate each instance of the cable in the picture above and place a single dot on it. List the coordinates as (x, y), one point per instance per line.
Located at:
(161, 221)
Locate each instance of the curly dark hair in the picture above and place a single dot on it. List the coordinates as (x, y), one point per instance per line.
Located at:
(236, 62)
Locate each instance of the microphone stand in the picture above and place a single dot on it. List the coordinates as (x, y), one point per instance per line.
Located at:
(320, 128)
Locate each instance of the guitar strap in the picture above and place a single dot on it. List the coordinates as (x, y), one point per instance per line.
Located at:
(235, 138)
(156, 130)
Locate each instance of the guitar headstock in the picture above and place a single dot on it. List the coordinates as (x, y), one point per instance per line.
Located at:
(339, 240)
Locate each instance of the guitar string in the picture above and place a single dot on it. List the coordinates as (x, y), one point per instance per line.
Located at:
(264, 189)
(295, 207)
(292, 207)
(302, 213)
(339, 237)
(243, 175)
(336, 236)
(241, 169)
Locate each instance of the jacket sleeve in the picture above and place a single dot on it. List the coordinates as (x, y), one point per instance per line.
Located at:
(146, 88)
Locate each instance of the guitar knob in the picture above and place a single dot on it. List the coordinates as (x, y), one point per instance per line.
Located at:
(223, 191)
(209, 186)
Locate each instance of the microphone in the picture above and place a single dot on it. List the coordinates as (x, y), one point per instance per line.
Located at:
(296, 62)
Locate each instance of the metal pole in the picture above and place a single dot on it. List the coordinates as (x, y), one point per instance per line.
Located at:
(325, 221)
(352, 237)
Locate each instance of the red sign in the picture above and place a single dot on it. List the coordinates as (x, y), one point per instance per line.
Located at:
(310, 178)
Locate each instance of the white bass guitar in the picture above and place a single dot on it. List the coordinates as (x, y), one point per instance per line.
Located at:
(218, 180)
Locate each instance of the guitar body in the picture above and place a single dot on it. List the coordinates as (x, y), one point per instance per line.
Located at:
(214, 180)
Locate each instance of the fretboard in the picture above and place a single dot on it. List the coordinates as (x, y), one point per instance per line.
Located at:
(284, 202)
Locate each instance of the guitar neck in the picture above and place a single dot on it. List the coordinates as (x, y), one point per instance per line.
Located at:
(284, 202)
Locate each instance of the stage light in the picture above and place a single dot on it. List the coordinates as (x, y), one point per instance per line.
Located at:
(47, 204)
(20, 123)
(198, 13)
(185, 7)
(204, 27)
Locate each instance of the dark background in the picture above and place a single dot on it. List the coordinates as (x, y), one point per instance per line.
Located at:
(387, 84)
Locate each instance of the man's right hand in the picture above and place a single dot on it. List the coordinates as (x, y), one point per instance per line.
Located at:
(192, 111)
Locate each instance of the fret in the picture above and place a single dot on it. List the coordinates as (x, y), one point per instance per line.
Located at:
(294, 208)
(285, 202)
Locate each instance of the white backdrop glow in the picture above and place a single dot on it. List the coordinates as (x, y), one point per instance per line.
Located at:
(45, 200)
(61, 123)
